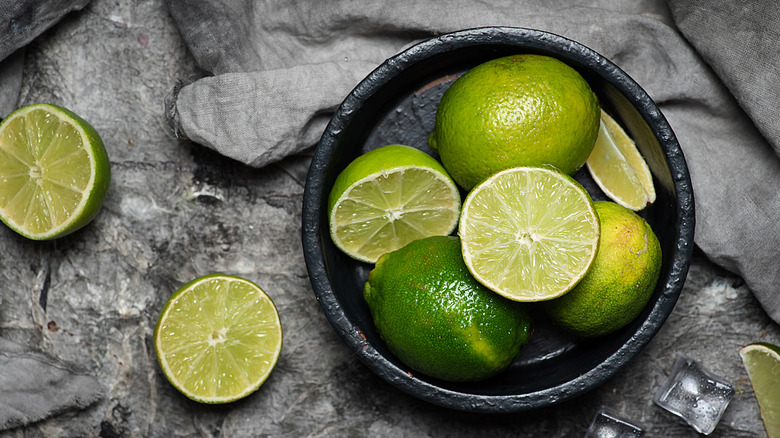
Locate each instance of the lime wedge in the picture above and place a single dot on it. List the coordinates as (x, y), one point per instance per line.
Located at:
(528, 233)
(618, 167)
(218, 338)
(54, 171)
(389, 197)
(762, 363)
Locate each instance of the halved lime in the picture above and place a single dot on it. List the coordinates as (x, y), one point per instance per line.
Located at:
(762, 363)
(54, 171)
(618, 167)
(389, 197)
(529, 233)
(218, 338)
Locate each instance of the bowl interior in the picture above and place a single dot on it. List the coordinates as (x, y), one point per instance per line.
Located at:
(397, 104)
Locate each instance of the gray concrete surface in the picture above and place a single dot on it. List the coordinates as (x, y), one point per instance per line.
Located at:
(176, 210)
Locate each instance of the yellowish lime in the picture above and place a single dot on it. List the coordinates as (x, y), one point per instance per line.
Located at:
(618, 167)
(620, 281)
(437, 319)
(218, 338)
(521, 110)
(762, 363)
(389, 197)
(54, 171)
(529, 233)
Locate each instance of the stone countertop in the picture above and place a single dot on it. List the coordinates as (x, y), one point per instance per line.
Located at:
(175, 211)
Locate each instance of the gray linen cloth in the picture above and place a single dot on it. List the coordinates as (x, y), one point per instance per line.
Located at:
(278, 69)
(33, 385)
(20, 22)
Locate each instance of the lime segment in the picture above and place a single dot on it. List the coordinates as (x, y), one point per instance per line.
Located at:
(618, 167)
(389, 197)
(218, 338)
(54, 171)
(762, 363)
(528, 233)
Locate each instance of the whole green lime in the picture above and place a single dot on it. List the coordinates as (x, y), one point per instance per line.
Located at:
(437, 319)
(522, 110)
(620, 281)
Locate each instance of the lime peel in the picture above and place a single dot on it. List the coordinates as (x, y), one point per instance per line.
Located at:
(619, 283)
(519, 110)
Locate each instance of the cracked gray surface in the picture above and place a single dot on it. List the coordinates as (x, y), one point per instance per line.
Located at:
(175, 210)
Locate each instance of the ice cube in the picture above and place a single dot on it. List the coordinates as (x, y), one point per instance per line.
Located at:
(695, 395)
(608, 425)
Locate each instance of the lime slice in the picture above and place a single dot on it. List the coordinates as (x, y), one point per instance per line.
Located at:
(529, 233)
(218, 338)
(618, 168)
(54, 171)
(762, 363)
(389, 197)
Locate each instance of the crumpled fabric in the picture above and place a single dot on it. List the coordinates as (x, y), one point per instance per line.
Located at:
(33, 385)
(21, 21)
(278, 69)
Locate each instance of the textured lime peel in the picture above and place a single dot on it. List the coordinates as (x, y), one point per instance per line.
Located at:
(762, 363)
(618, 167)
(619, 283)
(218, 338)
(519, 110)
(54, 171)
(528, 233)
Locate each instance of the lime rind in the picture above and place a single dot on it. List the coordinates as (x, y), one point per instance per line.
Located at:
(218, 338)
(518, 110)
(528, 233)
(49, 188)
(762, 363)
(618, 168)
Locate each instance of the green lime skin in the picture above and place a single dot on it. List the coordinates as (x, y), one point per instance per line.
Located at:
(437, 319)
(619, 283)
(522, 110)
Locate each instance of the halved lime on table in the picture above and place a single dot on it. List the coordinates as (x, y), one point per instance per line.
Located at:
(529, 233)
(54, 171)
(762, 363)
(218, 338)
(389, 197)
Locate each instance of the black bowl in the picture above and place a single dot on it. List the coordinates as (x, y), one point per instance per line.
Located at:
(396, 103)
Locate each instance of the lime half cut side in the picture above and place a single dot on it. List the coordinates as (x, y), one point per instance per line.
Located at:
(54, 171)
(618, 167)
(529, 233)
(218, 338)
(388, 197)
(762, 363)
